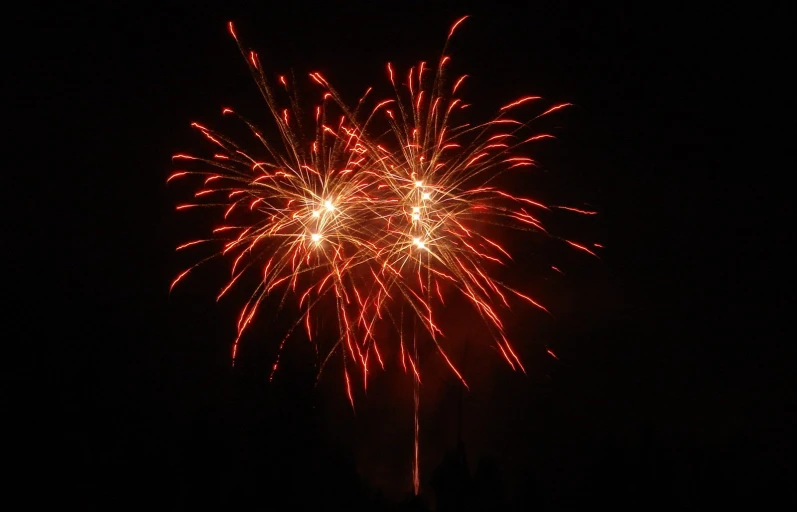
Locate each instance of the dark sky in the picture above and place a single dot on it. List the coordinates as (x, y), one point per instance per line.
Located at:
(668, 331)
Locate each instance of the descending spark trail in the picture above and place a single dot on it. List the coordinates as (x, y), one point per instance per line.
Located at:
(368, 210)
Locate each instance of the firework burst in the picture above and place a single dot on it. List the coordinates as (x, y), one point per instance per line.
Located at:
(372, 208)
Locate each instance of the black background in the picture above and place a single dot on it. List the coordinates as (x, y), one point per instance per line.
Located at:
(672, 386)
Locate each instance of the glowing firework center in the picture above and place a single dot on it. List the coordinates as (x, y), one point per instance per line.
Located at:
(321, 216)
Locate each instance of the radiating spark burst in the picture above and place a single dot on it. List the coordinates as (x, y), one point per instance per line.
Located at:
(340, 210)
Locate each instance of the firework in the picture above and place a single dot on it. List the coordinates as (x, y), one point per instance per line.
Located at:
(372, 208)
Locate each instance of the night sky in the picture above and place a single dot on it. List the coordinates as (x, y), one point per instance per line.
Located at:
(666, 345)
